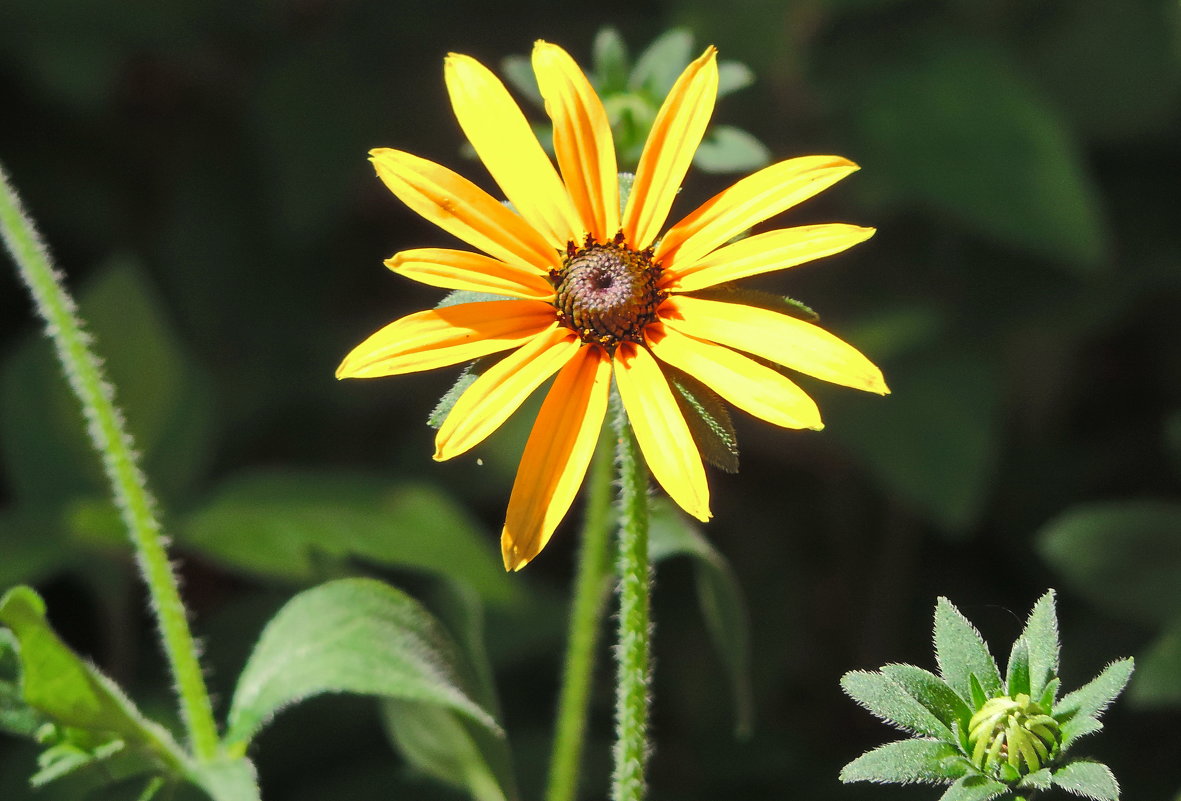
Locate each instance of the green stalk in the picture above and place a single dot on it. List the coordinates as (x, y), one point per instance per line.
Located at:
(586, 612)
(632, 651)
(111, 440)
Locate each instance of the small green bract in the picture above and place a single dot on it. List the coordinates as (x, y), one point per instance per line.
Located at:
(988, 736)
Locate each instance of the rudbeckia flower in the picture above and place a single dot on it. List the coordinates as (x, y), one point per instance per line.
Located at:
(594, 293)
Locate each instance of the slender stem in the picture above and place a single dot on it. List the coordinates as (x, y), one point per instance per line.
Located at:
(586, 613)
(632, 653)
(111, 440)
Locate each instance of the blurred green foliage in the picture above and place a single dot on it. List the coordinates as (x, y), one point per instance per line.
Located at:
(199, 171)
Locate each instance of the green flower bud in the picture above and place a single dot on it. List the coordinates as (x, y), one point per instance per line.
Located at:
(1010, 735)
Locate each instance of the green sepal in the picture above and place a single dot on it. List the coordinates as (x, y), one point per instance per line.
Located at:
(731, 293)
(907, 762)
(729, 149)
(933, 693)
(979, 697)
(708, 420)
(1038, 780)
(974, 787)
(733, 76)
(518, 72)
(962, 656)
(447, 402)
(1077, 727)
(1017, 673)
(1094, 696)
(894, 704)
(458, 296)
(1041, 638)
(1050, 693)
(1089, 779)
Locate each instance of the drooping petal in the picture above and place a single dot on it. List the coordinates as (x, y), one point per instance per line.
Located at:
(762, 253)
(499, 391)
(501, 135)
(556, 456)
(673, 140)
(462, 269)
(784, 340)
(582, 139)
(750, 386)
(463, 209)
(661, 430)
(449, 335)
(751, 200)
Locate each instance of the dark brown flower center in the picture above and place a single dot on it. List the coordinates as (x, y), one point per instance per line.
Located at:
(606, 292)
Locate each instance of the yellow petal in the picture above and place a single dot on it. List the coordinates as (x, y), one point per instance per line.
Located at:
(500, 390)
(462, 209)
(751, 200)
(674, 138)
(461, 269)
(582, 139)
(556, 456)
(762, 253)
(501, 135)
(660, 429)
(785, 340)
(750, 386)
(450, 335)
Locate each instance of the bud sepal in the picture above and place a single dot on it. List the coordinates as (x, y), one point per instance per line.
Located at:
(987, 736)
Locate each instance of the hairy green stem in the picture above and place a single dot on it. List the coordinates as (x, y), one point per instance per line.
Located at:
(111, 440)
(586, 613)
(632, 650)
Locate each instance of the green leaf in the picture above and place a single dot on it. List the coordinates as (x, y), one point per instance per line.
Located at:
(227, 779)
(1041, 639)
(932, 692)
(1101, 549)
(294, 525)
(905, 762)
(16, 716)
(445, 746)
(1088, 779)
(974, 788)
(953, 124)
(729, 149)
(658, 67)
(891, 702)
(1158, 675)
(356, 636)
(57, 683)
(609, 56)
(732, 76)
(1017, 673)
(961, 654)
(42, 438)
(719, 596)
(447, 402)
(1076, 727)
(936, 451)
(708, 420)
(518, 71)
(1095, 696)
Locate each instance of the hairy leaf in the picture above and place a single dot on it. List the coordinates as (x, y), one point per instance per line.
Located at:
(1088, 779)
(932, 692)
(903, 762)
(891, 702)
(962, 654)
(1041, 638)
(355, 636)
(974, 788)
(1094, 696)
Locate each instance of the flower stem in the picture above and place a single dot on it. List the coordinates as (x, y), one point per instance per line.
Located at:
(111, 440)
(586, 612)
(632, 652)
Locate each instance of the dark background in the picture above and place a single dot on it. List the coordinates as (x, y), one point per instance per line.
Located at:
(199, 171)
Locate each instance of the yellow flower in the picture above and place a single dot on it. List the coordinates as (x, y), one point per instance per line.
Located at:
(594, 293)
